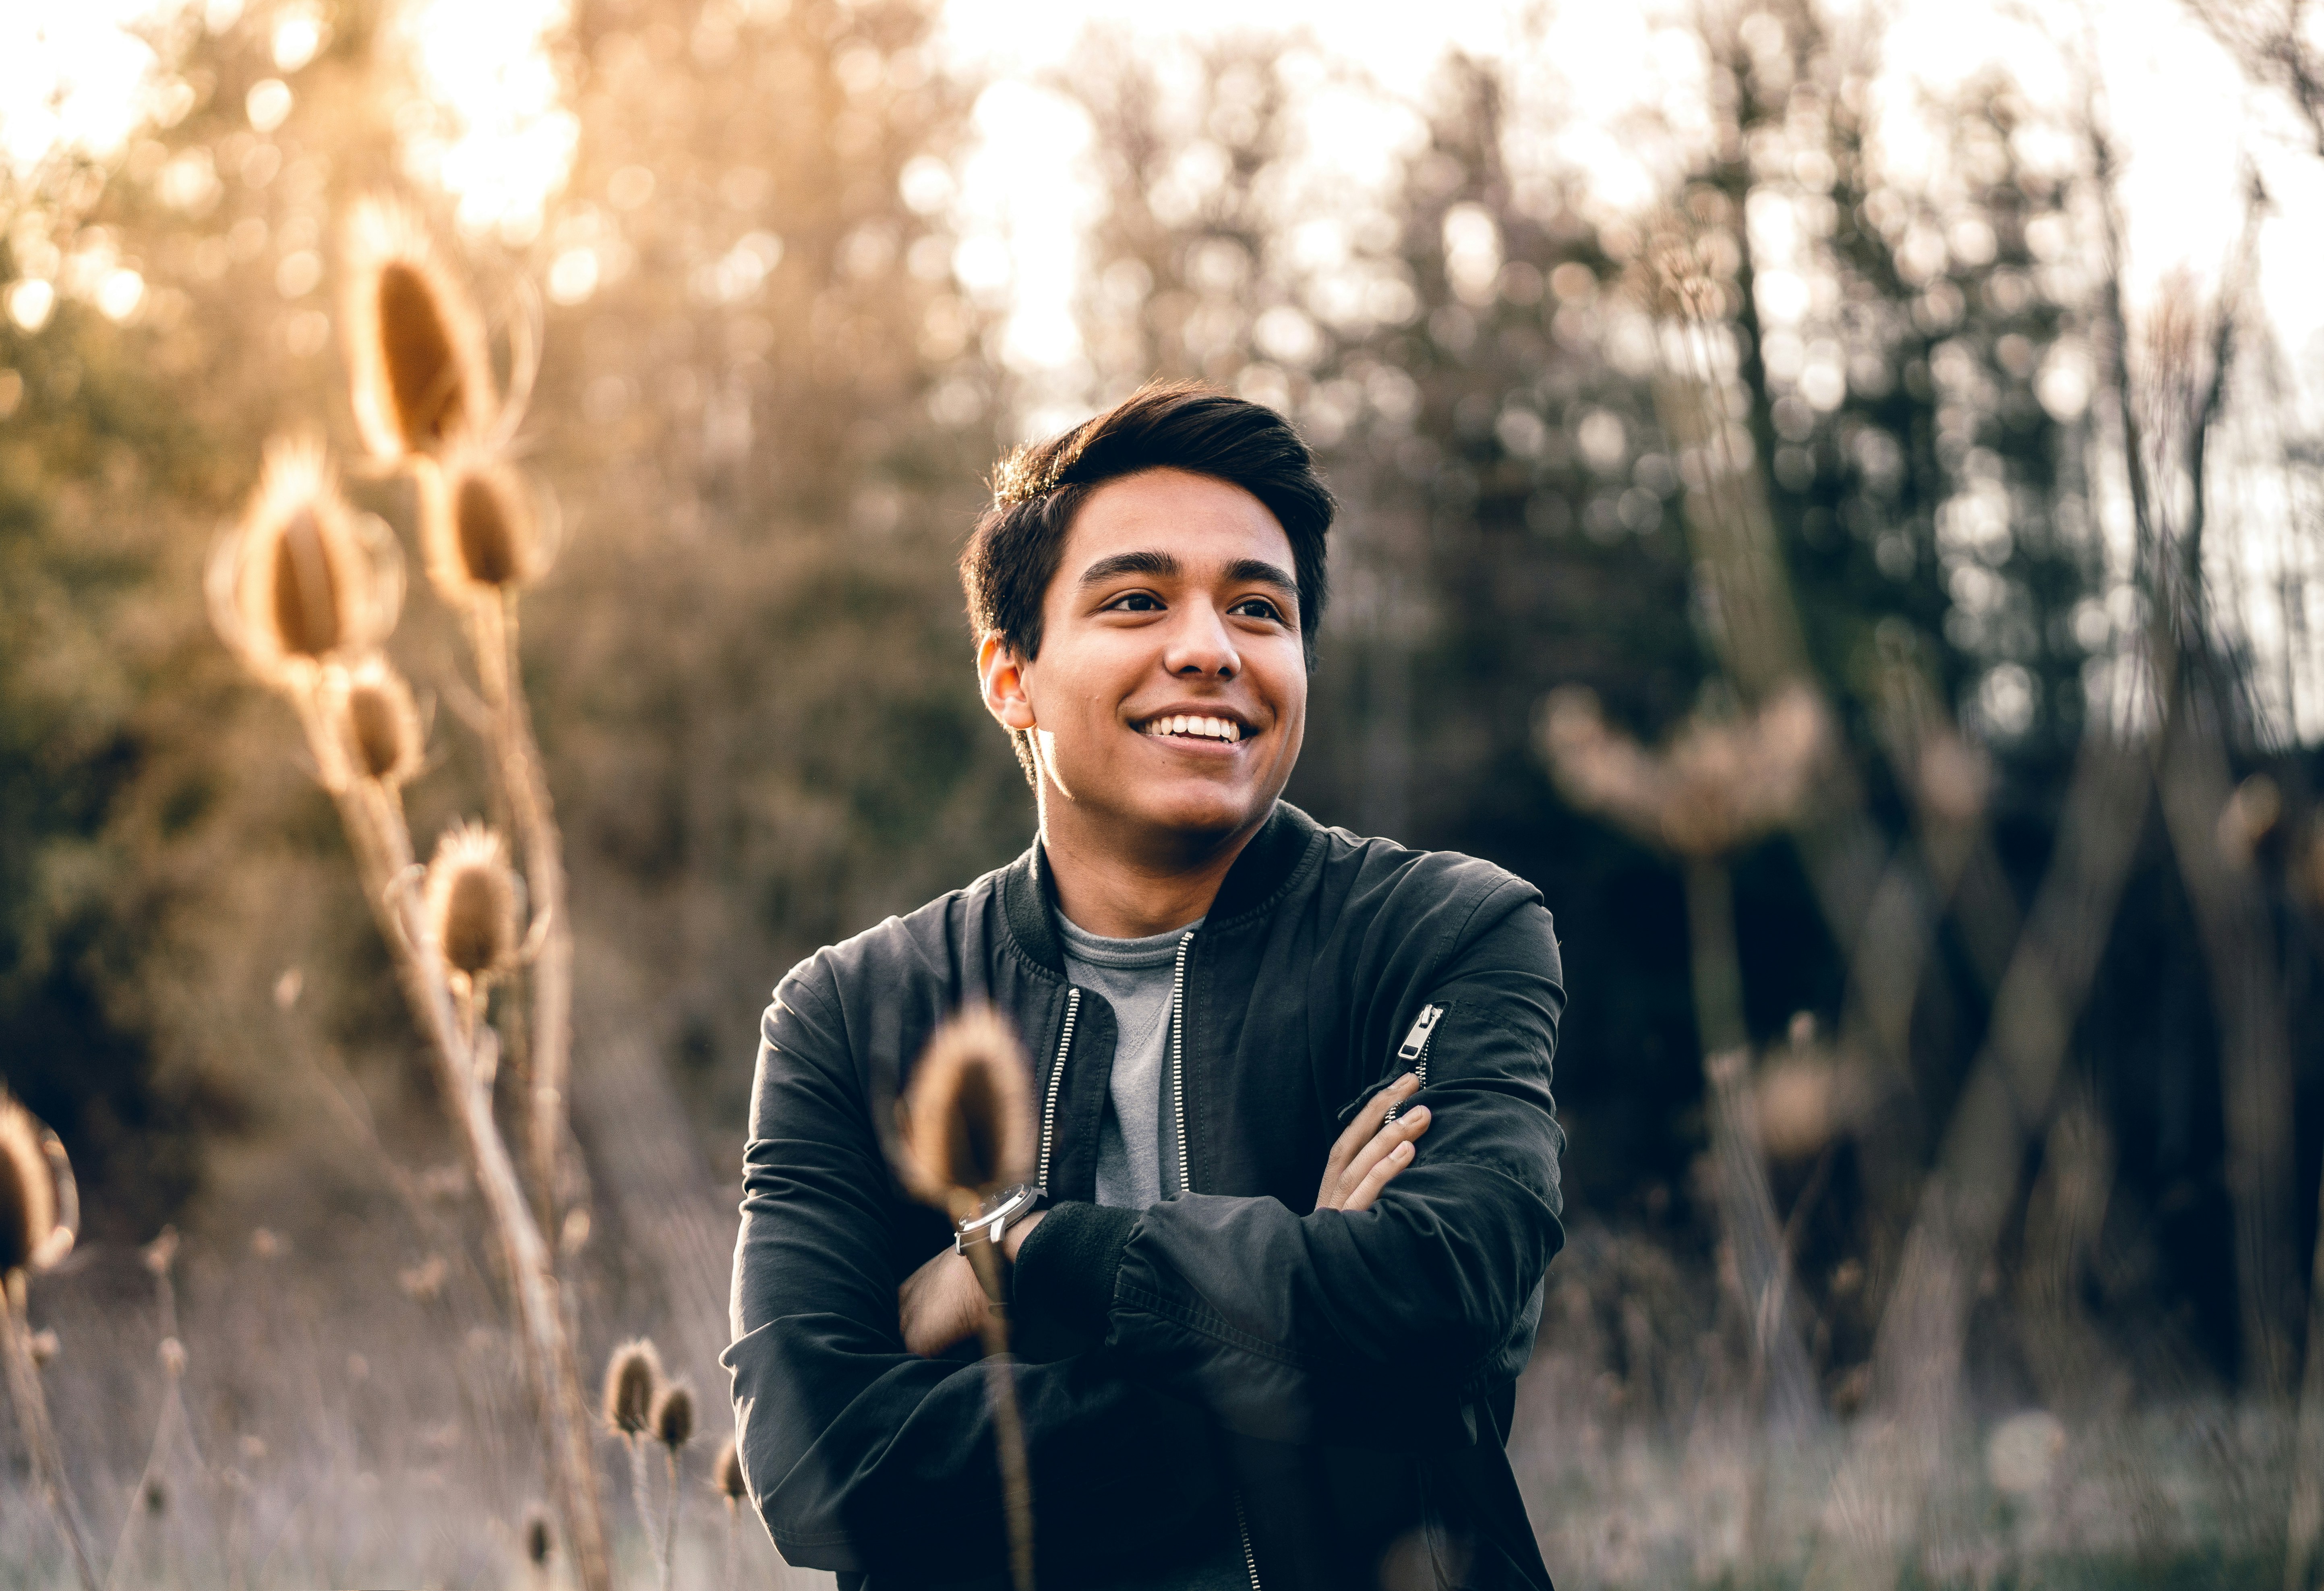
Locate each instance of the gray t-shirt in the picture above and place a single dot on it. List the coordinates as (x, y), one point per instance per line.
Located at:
(1133, 975)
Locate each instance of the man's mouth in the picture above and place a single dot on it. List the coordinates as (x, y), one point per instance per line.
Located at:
(1189, 727)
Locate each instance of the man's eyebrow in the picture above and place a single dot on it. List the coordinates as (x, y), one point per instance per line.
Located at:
(1115, 564)
(1165, 565)
(1259, 571)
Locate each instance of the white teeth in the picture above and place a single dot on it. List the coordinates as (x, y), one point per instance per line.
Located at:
(1209, 729)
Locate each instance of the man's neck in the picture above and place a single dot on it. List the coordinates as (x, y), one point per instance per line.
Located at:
(1119, 891)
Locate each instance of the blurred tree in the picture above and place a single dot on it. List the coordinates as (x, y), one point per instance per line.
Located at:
(165, 861)
(1907, 360)
(766, 409)
(1478, 395)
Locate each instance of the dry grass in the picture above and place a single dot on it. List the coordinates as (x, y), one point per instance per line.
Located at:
(335, 1430)
(341, 1433)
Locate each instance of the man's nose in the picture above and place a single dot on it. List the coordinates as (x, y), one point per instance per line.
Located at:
(1200, 644)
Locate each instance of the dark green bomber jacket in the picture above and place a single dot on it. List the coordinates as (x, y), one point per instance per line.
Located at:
(1338, 1386)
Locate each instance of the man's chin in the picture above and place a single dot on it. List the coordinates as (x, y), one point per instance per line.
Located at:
(1184, 820)
(1202, 817)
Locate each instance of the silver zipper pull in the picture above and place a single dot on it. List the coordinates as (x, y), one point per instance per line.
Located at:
(1417, 1040)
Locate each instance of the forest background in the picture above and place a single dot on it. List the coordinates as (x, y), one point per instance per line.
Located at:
(1796, 416)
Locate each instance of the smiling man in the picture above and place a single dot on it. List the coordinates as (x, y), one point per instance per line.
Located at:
(1297, 1185)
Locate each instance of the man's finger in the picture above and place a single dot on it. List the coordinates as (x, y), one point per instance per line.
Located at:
(1381, 1174)
(1404, 1129)
(1360, 1131)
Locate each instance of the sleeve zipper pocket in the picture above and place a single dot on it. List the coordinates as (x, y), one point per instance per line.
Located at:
(1414, 1051)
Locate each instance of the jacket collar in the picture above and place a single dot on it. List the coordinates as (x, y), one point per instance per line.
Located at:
(1029, 889)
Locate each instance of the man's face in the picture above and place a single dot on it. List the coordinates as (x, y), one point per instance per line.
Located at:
(1170, 697)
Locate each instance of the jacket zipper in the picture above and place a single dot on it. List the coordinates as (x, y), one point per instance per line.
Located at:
(1178, 1060)
(1414, 1048)
(1187, 1179)
(1057, 1077)
(1250, 1558)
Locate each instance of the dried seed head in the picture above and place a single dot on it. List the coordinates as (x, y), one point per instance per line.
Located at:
(538, 1541)
(673, 1416)
(1796, 1107)
(28, 1194)
(1952, 776)
(2249, 816)
(967, 1113)
(1678, 271)
(303, 577)
(416, 349)
(472, 903)
(161, 1253)
(632, 1377)
(1721, 784)
(479, 524)
(370, 709)
(1599, 768)
(425, 1281)
(726, 1472)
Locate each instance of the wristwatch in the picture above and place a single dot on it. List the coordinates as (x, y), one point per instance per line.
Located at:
(991, 1220)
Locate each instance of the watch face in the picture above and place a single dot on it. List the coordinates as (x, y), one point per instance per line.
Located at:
(1007, 1200)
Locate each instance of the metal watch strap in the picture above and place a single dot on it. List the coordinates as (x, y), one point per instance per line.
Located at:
(990, 1224)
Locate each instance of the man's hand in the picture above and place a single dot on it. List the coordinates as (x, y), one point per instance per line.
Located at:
(943, 1303)
(1373, 1149)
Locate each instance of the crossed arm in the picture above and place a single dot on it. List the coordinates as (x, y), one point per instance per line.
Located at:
(940, 1303)
(1220, 1312)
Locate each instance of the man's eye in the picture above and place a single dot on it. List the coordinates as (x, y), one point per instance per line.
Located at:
(1135, 602)
(1257, 608)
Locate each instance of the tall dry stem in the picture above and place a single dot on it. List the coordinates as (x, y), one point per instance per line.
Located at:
(1719, 786)
(632, 1387)
(726, 1480)
(463, 1053)
(39, 1216)
(673, 1427)
(159, 1255)
(966, 1133)
(1967, 1199)
(487, 535)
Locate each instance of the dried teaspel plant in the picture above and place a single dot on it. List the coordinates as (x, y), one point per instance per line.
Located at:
(673, 1416)
(416, 347)
(303, 578)
(632, 1377)
(376, 721)
(1717, 786)
(965, 1131)
(480, 525)
(673, 1427)
(471, 905)
(966, 1115)
(28, 1196)
(39, 1211)
(304, 585)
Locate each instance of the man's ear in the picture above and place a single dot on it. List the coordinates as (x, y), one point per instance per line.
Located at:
(1003, 679)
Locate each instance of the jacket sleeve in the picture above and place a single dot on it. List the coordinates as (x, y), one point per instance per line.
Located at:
(861, 1456)
(1374, 1327)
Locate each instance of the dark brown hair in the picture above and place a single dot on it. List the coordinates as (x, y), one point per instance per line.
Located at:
(1038, 488)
